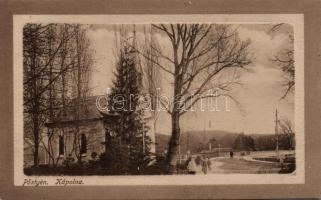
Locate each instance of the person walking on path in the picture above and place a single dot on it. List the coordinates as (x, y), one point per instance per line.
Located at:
(209, 163)
(204, 166)
(231, 154)
(191, 166)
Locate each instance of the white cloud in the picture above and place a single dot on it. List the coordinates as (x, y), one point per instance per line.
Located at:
(264, 46)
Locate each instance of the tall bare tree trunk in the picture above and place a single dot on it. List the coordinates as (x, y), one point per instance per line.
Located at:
(173, 144)
(36, 150)
(36, 134)
(35, 113)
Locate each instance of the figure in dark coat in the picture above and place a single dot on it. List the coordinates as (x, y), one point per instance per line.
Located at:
(231, 154)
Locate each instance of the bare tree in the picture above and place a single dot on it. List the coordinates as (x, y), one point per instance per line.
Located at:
(151, 72)
(40, 49)
(285, 60)
(50, 57)
(59, 92)
(81, 90)
(199, 55)
(287, 130)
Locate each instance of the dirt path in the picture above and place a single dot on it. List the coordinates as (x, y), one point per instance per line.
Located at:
(216, 166)
(240, 165)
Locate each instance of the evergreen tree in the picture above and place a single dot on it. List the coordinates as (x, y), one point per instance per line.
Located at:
(243, 143)
(128, 147)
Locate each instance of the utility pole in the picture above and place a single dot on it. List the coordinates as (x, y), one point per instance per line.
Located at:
(204, 135)
(277, 133)
(210, 142)
(179, 154)
(144, 137)
(188, 139)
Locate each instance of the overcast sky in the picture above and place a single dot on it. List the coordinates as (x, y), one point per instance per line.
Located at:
(259, 95)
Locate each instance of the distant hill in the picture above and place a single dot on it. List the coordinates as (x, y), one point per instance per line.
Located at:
(197, 140)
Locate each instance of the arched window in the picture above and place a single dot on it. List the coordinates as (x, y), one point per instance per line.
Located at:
(61, 145)
(83, 144)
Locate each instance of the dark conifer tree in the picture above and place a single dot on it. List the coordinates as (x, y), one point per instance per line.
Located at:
(129, 149)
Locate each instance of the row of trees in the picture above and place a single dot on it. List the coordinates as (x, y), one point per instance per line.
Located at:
(244, 143)
(57, 62)
(285, 140)
(264, 143)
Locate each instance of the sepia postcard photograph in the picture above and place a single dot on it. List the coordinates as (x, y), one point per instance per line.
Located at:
(158, 99)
